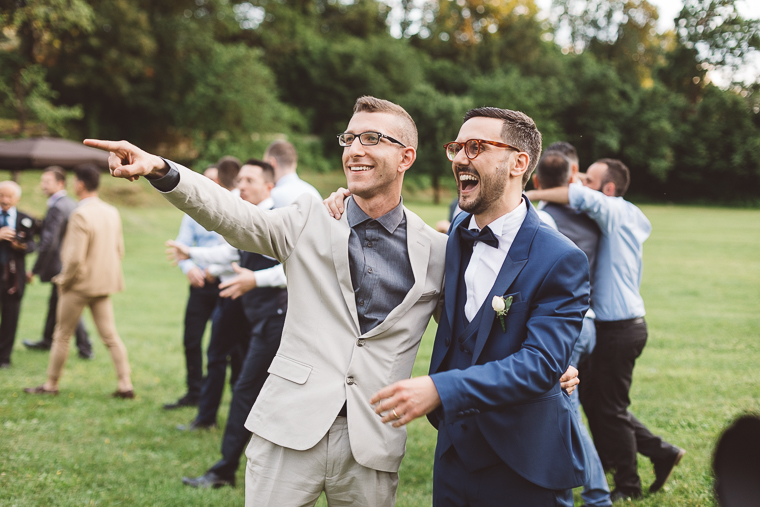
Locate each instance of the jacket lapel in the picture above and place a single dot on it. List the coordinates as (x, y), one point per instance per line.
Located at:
(516, 260)
(418, 245)
(453, 260)
(339, 233)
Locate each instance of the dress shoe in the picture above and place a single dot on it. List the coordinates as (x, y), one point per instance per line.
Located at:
(664, 467)
(127, 395)
(40, 390)
(209, 480)
(5, 366)
(89, 354)
(196, 425)
(185, 401)
(620, 496)
(40, 345)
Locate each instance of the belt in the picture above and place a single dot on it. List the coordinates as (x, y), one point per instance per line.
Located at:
(619, 324)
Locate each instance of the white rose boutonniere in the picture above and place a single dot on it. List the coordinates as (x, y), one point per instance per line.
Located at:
(500, 305)
(27, 222)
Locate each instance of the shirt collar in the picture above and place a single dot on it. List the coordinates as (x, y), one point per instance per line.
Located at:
(287, 179)
(267, 203)
(504, 222)
(390, 221)
(11, 211)
(54, 198)
(87, 200)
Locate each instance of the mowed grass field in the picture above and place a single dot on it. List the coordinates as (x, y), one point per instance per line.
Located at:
(698, 372)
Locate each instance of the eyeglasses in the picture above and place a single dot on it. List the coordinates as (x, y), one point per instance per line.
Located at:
(366, 138)
(472, 148)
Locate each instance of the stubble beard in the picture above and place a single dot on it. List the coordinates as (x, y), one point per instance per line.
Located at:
(491, 190)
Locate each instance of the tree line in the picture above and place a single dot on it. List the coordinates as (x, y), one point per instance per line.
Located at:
(197, 79)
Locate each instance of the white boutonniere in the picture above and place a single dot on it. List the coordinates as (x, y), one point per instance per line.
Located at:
(500, 305)
(26, 222)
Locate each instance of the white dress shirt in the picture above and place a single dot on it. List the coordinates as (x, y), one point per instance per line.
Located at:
(486, 261)
(289, 188)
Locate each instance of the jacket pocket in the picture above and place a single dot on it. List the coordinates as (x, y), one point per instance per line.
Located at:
(290, 369)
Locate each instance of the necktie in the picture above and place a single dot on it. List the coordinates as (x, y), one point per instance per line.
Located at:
(5, 219)
(485, 235)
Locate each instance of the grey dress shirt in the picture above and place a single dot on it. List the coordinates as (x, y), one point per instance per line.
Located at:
(378, 258)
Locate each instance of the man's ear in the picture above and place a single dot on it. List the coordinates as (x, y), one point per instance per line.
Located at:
(408, 156)
(609, 189)
(521, 165)
(536, 185)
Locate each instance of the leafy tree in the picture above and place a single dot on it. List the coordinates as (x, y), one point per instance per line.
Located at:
(32, 35)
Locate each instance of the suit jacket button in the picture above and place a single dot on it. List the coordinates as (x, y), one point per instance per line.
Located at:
(360, 342)
(350, 380)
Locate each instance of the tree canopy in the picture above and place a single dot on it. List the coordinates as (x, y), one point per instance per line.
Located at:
(198, 79)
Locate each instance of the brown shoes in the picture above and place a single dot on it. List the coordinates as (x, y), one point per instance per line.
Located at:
(127, 395)
(40, 390)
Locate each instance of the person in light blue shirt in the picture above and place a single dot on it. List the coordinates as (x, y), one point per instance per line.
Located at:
(201, 303)
(620, 327)
(288, 186)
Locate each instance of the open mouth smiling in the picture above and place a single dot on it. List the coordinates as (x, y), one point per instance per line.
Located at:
(467, 182)
(359, 168)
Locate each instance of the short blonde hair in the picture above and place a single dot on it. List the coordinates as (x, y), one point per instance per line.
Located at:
(407, 128)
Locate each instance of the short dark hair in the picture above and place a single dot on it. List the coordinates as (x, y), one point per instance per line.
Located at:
(227, 170)
(58, 172)
(89, 175)
(283, 152)
(617, 173)
(567, 149)
(266, 168)
(553, 170)
(519, 130)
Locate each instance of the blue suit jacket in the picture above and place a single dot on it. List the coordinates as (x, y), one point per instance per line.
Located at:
(512, 388)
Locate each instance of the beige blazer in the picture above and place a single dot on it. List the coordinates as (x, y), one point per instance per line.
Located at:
(324, 360)
(92, 250)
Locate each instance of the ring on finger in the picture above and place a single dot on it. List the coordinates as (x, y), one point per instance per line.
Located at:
(395, 414)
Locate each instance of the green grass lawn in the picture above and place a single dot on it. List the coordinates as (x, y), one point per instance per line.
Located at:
(698, 371)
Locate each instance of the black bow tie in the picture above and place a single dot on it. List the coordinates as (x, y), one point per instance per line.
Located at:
(485, 235)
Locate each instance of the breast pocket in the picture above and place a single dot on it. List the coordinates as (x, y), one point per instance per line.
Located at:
(290, 369)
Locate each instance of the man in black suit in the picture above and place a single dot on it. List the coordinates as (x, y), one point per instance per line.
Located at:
(17, 231)
(60, 206)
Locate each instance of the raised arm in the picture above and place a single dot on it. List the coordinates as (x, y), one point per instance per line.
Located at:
(243, 225)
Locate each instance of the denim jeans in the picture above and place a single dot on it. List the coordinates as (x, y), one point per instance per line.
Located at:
(596, 492)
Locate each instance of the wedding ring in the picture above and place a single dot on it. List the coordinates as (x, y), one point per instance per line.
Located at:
(395, 414)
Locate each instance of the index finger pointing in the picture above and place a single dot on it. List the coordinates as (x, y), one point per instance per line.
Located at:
(102, 145)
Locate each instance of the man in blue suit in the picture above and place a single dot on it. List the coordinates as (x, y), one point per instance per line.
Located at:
(506, 431)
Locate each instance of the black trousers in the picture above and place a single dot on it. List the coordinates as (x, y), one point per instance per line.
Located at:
(82, 339)
(11, 307)
(200, 307)
(607, 377)
(266, 334)
(229, 341)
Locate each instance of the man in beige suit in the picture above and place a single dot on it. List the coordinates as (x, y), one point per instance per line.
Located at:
(91, 256)
(360, 294)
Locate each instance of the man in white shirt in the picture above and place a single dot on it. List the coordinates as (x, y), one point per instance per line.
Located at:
(288, 186)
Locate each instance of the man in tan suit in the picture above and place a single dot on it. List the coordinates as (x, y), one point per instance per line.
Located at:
(360, 294)
(91, 256)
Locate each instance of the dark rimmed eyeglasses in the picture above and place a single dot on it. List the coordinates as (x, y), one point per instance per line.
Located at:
(366, 138)
(472, 148)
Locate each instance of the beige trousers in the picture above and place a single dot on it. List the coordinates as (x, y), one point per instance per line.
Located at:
(280, 477)
(70, 307)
